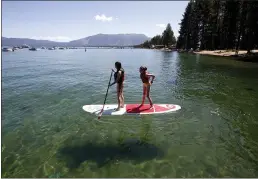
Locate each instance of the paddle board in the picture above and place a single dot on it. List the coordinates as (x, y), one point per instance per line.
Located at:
(131, 109)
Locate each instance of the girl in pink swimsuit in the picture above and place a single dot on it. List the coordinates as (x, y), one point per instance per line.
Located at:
(145, 77)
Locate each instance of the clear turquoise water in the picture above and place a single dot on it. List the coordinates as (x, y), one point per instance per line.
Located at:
(45, 132)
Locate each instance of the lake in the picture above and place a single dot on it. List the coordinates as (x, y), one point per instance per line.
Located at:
(45, 132)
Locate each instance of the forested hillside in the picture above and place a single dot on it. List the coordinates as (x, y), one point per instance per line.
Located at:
(215, 24)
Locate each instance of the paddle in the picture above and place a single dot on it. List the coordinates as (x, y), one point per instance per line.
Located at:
(105, 96)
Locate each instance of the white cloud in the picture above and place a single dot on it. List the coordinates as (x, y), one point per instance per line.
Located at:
(56, 39)
(103, 18)
(161, 25)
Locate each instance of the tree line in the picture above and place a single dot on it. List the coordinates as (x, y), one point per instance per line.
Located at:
(219, 25)
(167, 38)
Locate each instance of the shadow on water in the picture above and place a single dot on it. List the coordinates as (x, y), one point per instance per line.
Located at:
(130, 149)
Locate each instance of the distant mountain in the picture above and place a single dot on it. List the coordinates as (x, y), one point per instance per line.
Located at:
(95, 40)
(30, 42)
(110, 39)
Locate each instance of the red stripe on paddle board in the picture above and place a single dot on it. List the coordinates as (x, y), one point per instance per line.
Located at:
(134, 108)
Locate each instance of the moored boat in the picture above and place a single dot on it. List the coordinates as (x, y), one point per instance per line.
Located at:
(32, 49)
(15, 48)
(6, 49)
(25, 46)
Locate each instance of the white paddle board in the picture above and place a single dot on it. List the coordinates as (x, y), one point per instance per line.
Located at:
(131, 109)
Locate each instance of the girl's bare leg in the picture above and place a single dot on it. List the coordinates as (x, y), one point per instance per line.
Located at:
(122, 97)
(148, 95)
(122, 100)
(118, 97)
(144, 95)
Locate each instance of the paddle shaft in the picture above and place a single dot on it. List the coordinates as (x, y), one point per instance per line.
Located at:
(106, 95)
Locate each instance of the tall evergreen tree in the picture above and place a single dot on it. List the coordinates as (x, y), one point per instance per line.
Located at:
(240, 26)
(251, 24)
(168, 36)
(156, 40)
(194, 35)
(183, 37)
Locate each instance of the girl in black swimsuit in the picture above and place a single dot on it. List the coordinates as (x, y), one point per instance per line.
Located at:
(119, 80)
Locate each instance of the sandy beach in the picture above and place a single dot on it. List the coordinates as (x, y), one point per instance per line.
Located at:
(223, 53)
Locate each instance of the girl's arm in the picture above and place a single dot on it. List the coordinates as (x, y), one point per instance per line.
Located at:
(117, 79)
(151, 75)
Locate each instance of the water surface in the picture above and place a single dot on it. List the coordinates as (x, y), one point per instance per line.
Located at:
(45, 132)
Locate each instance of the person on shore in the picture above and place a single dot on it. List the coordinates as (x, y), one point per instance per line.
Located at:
(119, 80)
(145, 77)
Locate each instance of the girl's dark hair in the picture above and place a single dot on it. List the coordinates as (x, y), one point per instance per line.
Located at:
(143, 68)
(118, 65)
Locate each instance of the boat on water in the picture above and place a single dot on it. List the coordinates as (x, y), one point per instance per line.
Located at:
(51, 48)
(32, 49)
(43, 48)
(6, 49)
(25, 46)
(167, 50)
(61, 48)
(15, 48)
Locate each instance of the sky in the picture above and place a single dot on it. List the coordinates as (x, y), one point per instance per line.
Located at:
(71, 20)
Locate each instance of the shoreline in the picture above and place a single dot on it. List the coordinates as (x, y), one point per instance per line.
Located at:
(224, 53)
(241, 56)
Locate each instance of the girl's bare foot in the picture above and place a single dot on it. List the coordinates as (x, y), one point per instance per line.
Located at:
(117, 109)
(140, 105)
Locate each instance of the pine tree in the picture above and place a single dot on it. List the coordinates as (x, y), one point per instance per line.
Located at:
(168, 37)
(156, 40)
(240, 26)
(251, 24)
(194, 27)
(184, 28)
